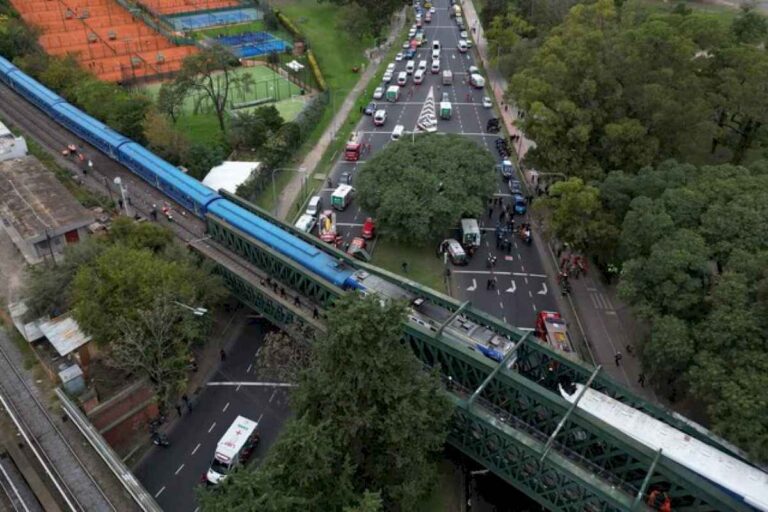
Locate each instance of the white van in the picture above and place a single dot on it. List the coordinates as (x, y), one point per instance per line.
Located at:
(423, 64)
(410, 66)
(435, 45)
(305, 223)
(418, 76)
(233, 447)
(402, 78)
(314, 205)
(398, 132)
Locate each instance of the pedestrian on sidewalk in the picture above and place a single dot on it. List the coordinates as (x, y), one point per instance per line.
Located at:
(223, 355)
(506, 108)
(185, 399)
(315, 313)
(490, 212)
(617, 358)
(297, 301)
(405, 267)
(641, 380)
(178, 409)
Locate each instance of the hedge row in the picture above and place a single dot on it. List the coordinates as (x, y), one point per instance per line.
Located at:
(288, 24)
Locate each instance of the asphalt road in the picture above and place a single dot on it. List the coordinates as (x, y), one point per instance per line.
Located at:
(171, 474)
(521, 282)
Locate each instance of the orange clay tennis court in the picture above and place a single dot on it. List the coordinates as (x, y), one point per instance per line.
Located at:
(179, 6)
(104, 38)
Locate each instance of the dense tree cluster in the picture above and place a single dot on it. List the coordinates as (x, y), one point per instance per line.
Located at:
(124, 291)
(368, 424)
(624, 87)
(420, 188)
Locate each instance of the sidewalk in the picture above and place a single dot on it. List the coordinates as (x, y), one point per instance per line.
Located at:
(292, 190)
(597, 317)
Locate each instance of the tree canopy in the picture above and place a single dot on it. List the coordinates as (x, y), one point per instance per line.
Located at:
(369, 422)
(616, 87)
(124, 291)
(418, 189)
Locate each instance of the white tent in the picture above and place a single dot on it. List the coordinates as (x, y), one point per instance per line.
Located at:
(230, 175)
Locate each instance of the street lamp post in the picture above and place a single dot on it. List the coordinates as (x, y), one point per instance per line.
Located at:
(300, 170)
(123, 194)
(195, 311)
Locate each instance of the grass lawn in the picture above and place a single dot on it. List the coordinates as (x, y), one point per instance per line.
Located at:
(423, 265)
(203, 126)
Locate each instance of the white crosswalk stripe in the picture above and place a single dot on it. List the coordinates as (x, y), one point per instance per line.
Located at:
(427, 118)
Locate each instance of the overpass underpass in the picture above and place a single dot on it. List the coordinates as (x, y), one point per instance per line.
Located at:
(507, 414)
(508, 425)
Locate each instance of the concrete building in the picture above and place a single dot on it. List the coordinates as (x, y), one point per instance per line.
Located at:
(10, 146)
(37, 211)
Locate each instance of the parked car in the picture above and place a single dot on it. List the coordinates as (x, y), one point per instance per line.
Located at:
(378, 93)
(370, 108)
(399, 56)
(487, 103)
(387, 77)
(463, 34)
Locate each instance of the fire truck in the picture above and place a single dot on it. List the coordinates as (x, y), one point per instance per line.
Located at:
(352, 149)
(327, 227)
(552, 330)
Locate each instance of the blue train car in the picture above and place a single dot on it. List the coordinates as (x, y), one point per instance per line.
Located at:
(32, 90)
(88, 128)
(303, 253)
(185, 190)
(6, 68)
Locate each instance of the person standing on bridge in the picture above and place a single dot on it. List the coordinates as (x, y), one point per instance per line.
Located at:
(617, 358)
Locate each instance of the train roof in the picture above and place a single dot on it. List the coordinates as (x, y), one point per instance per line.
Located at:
(735, 476)
(188, 185)
(7, 66)
(92, 124)
(33, 86)
(293, 247)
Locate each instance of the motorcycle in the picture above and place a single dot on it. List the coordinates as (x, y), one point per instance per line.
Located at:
(160, 439)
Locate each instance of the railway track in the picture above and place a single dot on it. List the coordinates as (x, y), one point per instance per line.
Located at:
(63, 468)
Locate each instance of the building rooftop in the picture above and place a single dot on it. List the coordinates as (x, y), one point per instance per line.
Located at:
(35, 203)
(64, 334)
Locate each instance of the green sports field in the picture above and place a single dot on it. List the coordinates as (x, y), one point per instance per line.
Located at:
(253, 83)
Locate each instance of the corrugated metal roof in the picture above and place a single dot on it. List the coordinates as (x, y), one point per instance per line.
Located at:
(30, 331)
(64, 334)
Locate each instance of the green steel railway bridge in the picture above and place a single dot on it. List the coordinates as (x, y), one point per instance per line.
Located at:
(509, 416)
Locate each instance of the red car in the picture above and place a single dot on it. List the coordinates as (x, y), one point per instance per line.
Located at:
(369, 229)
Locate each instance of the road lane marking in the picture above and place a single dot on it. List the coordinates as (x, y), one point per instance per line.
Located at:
(543, 290)
(258, 384)
(159, 492)
(512, 288)
(180, 468)
(248, 370)
(225, 407)
(196, 448)
(498, 272)
(530, 293)
(473, 287)
(534, 306)
(238, 388)
(501, 305)
(259, 420)
(212, 426)
(273, 396)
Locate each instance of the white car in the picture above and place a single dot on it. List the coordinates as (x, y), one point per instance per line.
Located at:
(387, 77)
(463, 34)
(435, 54)
(487, 103)
(378, 93)
(474, 70)
(390, 67)
(435, 66)
(412, 32)
(406, 45)
(399, 56)
(380, 117)
(402, 78)
(422, 65)
(432, 10)
(306, 223)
